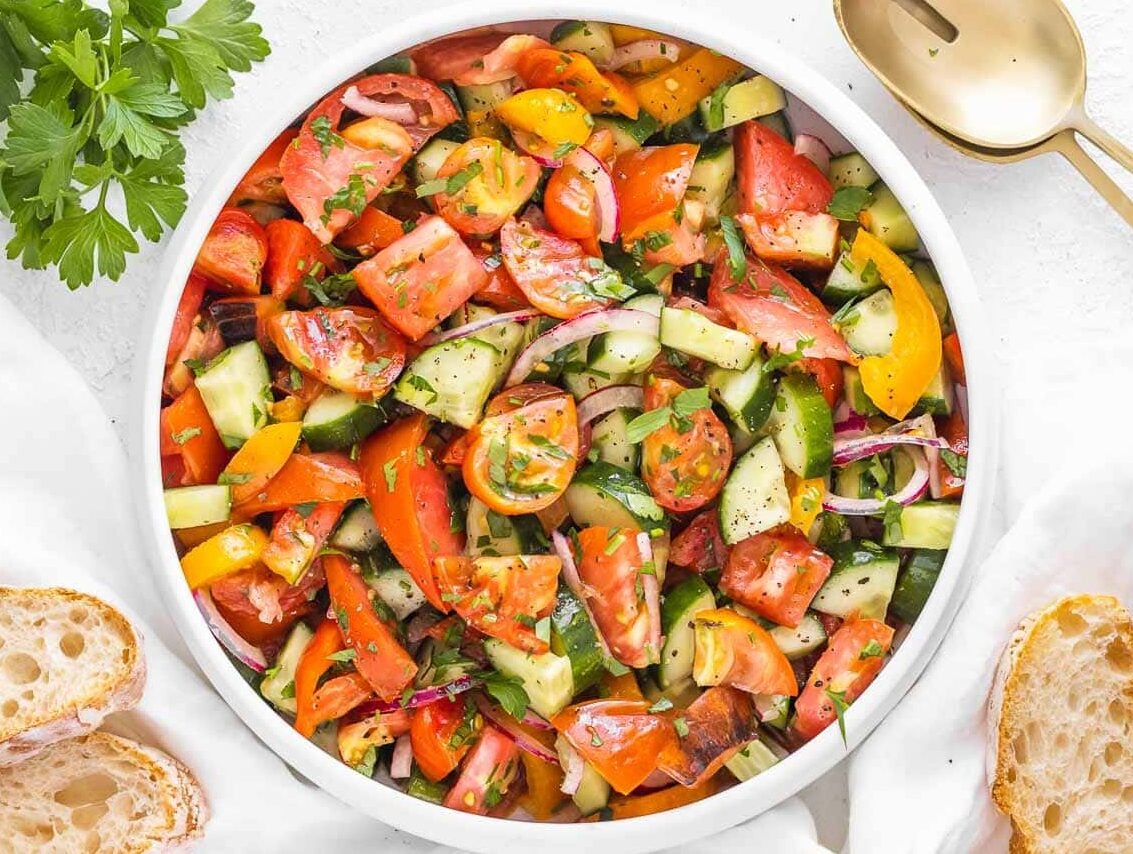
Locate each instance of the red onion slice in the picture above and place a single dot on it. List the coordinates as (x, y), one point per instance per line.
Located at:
(401, 763)
(598, 403)
(594, 170)
(537, 722)
(402, 113)
(537, 147)
(645, 49)
(574, 582)
(910, 492)
(584, 326)
(575, 767)
(814, 150)
(244, 652)
(511, 729)
(916, 431)
(962, 402)
(651, 591)
(849, 425)
(420, 698)
(477, 325)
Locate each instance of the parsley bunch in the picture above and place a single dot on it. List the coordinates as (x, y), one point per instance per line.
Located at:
(94, 103)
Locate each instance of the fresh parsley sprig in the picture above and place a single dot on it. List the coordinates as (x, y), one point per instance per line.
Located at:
(94, 103)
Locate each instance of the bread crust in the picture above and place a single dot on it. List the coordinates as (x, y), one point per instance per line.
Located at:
(83, 714)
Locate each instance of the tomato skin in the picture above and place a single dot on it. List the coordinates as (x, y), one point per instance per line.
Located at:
(792, 238)
(719, 722)
(431, 732)
(841, 668)
(373, 231)
(419, 280)
(410, 500)
(302, 479)
(187, 309)
(775, 307)
(650, 183)
(550, 462)
(772, 178)
(575, 73)
(500, 291)
(954, 356)
(261, 606)
(341, 347)
(491, 767)
(700, 546)
(620, 738)
(684, 471)
(503, 597)
(621, 614)
(474, 59)
(953, 430)
(827, 374)
(553, 272)
(741, 654)
(505, 183)
(570, 203)
(776, 573)
(187, 432)
(263, 182)
(293, 254)
(313, 663)
(381, 660)
(233, 254)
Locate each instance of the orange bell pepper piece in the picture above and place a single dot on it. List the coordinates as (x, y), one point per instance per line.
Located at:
(575, 73)
(305, 478)
(673, 93)
(235, 548)
(187, 432)
(260, 458)
(291, 409)
(806, 500)
(543, 794)
(622, 687)
(895, 381)
(313, 663)
(954, 356)
(372, 232)
(550, 114)
(665, 799)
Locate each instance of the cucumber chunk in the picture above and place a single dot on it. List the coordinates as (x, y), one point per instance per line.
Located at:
(546, 678)
(886, 220)
(586, 37)
(278, 684)
(603, 494)
(193, 506)
(629, 134)
(801, 641)
(749, 99)
(491, 534)
(681, 606)
(483, 97)
(778, 122)
(747, 396)
(236, 389)
(869, 326)
(753, 758)
(573, 635)
(802, 426)
(861, 581)
(915, 583)
(507, 338)
(926, 525)
(852, 170)
(618, 353)
(695, 335)
(712, 175)
(337, 420)
(451, 380)
(431, 158)
(398, 590)
(593, 791)
(855, 392)
(754, 497)
(609, 437)
(926, 274)
(357, 532)
(939, 397)
(424, 789)
(846, 282)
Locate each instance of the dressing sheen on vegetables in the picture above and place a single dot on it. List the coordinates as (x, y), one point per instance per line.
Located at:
(546, 431)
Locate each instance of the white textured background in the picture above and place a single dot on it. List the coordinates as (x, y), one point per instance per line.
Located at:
(1053, 263)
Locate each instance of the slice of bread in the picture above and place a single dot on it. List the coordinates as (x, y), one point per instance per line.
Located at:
(1060, 759)
(67, 660)
(100, 792)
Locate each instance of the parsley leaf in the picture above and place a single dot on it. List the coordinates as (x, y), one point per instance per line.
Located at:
(838, 699)
(508, 692)
(691, 400)
(848, 202)
(892, 519)
(646, 423)
(451, 185)
(957, 463)
(737, 258)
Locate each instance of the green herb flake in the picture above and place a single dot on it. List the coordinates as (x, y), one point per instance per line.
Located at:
(734, 241)
(343, 656)
(186, 434)
(957, 463)
(389, 470)
(848, 202)
(647, 423)
(662, 705)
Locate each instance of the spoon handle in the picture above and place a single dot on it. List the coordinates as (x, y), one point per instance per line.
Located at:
(1065, 144)
(1102, 139)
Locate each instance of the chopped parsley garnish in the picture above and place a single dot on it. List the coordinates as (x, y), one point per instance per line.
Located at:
(873, 649)
(892, 520)
(838, 700)
(352, 198)
(681, 725)
(325, 136)
(421, 384)
(684, 404)
(848, 202)
(508, 692)
(779, 359)
(451, 185)
(737, 258)
(186, 434)
(233, 478)
(343, 656)
(662, 705)
(957, 463)
(389, 470)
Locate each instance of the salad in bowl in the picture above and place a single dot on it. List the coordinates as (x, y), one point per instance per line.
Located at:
(548, 431)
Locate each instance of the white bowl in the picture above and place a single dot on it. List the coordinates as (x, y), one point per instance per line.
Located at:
(726, 808)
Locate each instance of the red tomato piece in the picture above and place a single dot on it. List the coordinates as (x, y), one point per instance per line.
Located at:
(717, 724)
(793, 238)
(827, 375)
(772, 178)
(852, 659)
(598, 92)
(620, 738)
(505, 181)
(187, 432)
(489, 771)
(442, 733)
(350, 349)
(191, 298)
(421, 279)
(954, 356)
(570, 203)
(381, 660)
(554, 273)
(293, 254)
(297, 538)
(733, 650)
(776, 574)
(261, 606)
(474, 59)
(610, 566)
(306, 478)
(371, 232)
(264, 181)
(234, 253)
(500, 291)
(953, 430)
(204, 342)
(684, 470)
(700, 547)
(409, 497)
(775, 307)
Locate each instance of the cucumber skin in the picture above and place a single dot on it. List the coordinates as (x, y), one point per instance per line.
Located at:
(915, 584)
(817, 422)
(576, 638)
(614, 483)
(681, 604)
(346, 431)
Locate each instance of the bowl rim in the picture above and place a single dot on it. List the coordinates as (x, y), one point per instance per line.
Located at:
(723, 809)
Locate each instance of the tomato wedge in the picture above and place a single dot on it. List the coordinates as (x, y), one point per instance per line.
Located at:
(795, 239)
(952, 477)
(474, 59)
(261, 606)
(421, 279)
(371, 232)
(650, 183)
(293, 254)
(685, 461)
(313, 663)
(772, 178)
(500, 291)
(776, 574)
(502, 183)
(852, 659)
(733, 650)
(521, 460)
(187, 308)
(409, 497)
(611, 566)
(187, 432)
(570, 203)
(618, 737)
(775, 307)
(264, 181)
(575, 73)
(297, 538)
(554, 273)
(489, 771)
(350, 349)
(503, 597)
(442, 733)
(305, 478)
(233, 254)
(381, 660)
(700, 546)
(717, 724)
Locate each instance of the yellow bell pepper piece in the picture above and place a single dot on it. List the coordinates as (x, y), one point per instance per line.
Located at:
(289, 409)
(550, 114)
(673, 93)
(806, 500)
(232, 550)
(895, 381)
(623, 34)
(260, 458)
